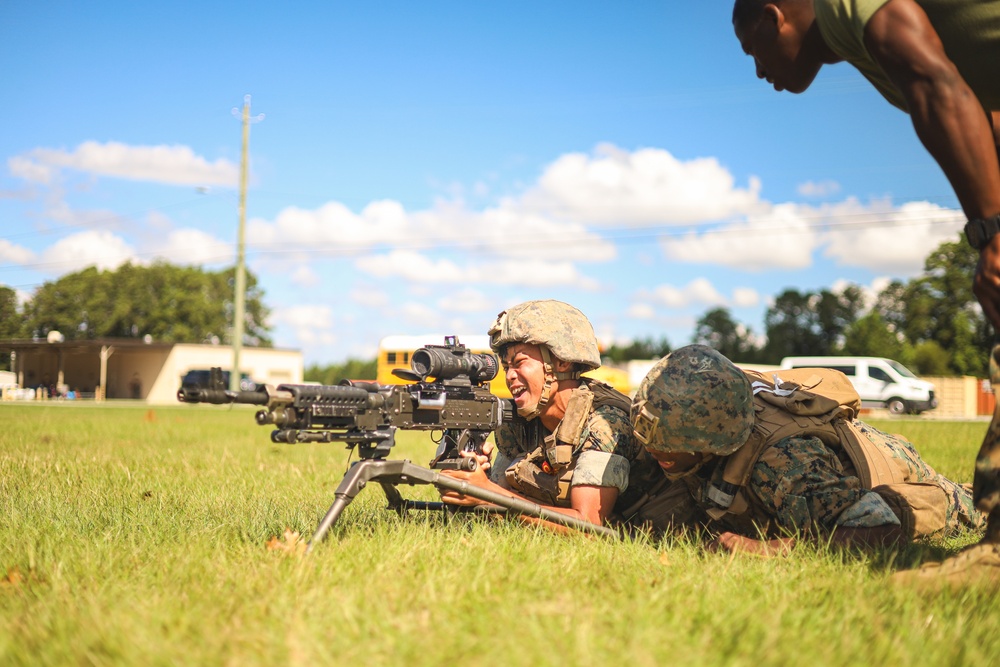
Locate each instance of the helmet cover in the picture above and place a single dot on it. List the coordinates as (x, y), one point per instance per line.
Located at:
(559, 326)
(693, 400)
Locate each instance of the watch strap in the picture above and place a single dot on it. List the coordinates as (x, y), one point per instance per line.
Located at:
(980, 231)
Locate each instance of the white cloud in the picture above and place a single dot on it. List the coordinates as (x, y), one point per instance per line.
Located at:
(507, 230)
(90, 248)
(818, 188)
(466, 300)
(892, 240)
(698, 291)
(194, 247)
(647, 186)
(171, 165)
(781, 238)
(305, 276)
(417, 268)
(418, 314)
(745, 297)
(15, 254)
(875, 236)
(29, 170)
(369, 296)
(641, 311)
(334, 226)
(411, 266)
(312, 324)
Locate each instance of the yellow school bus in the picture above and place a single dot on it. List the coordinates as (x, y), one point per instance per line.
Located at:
(396, 351)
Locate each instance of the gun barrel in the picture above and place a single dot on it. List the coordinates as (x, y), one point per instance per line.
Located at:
(221, 396)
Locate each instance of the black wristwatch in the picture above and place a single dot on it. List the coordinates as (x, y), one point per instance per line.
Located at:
(980, 231)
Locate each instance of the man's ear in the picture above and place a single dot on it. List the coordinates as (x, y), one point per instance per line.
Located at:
(772, 15)
(561, 366)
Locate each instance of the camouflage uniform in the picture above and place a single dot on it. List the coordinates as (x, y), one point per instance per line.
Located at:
(601, 451)
(803, 480)
(986, 484)
(799, 484)
(607, 454)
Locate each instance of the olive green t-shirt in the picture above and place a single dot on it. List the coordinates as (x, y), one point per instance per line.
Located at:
(969, 30)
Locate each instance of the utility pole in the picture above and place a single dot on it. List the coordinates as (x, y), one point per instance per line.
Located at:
(239, 302)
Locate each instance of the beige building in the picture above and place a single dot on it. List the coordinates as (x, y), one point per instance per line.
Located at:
(126, 368)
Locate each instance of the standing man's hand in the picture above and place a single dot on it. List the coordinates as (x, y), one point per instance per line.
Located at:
(986, 284)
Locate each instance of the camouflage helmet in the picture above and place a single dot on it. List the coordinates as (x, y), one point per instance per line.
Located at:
(559, 326)
(693, 400)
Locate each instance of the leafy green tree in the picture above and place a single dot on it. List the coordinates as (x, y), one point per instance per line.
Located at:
(11, 321)
(644, 348)
(938, 306)
(717, 329)
(352, 369)
(872, 336)
(835, 313)
(929, 358)
(792, 327)
(170, 303)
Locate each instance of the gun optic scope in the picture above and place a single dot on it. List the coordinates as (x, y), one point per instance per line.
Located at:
(445, 362)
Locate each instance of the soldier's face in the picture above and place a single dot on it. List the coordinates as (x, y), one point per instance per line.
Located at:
(524, 372)
(775, 45)
(676, 463)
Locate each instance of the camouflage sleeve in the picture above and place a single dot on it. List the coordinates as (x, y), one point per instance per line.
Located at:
(801, 484)
(498, 468)
(595, 468)
(507, 441)
(609, 430)
(606, 451)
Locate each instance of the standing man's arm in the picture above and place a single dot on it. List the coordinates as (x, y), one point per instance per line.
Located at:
(947, 115)
(950, 122)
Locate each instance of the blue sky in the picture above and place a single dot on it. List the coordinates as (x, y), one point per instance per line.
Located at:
(423, 165)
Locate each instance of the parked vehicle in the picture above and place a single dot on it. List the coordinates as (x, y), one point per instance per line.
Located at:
(199, 378)
(880, 382)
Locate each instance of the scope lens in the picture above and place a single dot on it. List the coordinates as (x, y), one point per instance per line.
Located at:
(442, 363)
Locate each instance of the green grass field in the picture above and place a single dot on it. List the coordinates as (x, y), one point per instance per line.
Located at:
(140, 536)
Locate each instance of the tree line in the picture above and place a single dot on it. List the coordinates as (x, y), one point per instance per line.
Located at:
(171, 304)
(931, 323)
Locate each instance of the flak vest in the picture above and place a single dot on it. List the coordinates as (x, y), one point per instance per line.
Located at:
(822, 403)
(545, 473)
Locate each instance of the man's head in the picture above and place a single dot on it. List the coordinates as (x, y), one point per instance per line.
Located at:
(693, 401)
(550, 338)
(780, 35)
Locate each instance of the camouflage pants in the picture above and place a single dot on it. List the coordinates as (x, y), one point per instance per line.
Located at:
(961, 513)
(986, 484)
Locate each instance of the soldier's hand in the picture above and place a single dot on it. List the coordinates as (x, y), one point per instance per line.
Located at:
(482, 460)
(733, 543)
(475, 477)
(986, 283)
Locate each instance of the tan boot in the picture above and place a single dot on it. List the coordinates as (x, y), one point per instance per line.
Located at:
(977, 566)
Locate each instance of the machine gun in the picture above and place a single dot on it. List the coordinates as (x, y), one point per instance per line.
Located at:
(448, 394)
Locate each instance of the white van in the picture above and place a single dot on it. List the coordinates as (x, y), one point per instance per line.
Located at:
(880, 382)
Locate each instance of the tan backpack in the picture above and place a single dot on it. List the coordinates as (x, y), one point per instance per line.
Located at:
(822, 403)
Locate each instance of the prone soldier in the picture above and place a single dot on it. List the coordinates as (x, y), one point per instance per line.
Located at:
(767, 461)
(570, 447)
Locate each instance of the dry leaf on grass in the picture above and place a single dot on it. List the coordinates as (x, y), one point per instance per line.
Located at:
(13, 577)
(291, 543)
